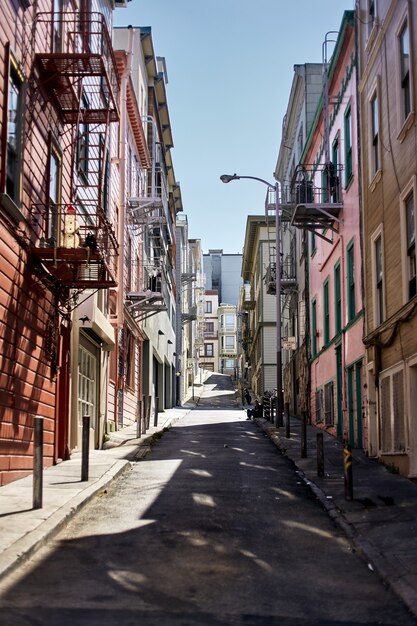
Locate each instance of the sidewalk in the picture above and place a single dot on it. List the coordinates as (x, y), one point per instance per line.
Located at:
(23, 530)
(381, 520)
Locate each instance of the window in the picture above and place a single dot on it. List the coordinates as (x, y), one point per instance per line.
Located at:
(87, 401)
(55, 176)
(130, 360)
(83, 146)
(335, 190)
(209, 328)
(337, 300)
(314, 328)
(371, 19)
(13, 117)
(374, 130)
(348, 146)
(326, 320)
(208, 306)
(312, 243)
(411, 243)
(229, 342)
(379, 281)
(229, 321)
(319, 405)
(351, 281)
(404, 48)
(329, 404)
(392, 412)
(208, 349)
(58, 25)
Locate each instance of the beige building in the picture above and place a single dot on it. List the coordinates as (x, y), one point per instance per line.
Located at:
(210, 353)
(387, 46)
(259, 327)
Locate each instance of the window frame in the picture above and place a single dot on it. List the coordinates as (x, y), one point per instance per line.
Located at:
(378, 284)
(406, 248)
(374, 133)
(326, 312)
(405, 114)
(52, 229)
(338, 322)
(350, 280)
(14, 70)
(206, 350)
(348, 139)
(314, 327)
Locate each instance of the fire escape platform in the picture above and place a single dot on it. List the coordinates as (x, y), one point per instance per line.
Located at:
(59, 74)
(78, 268)
(143, 304)
(316, 216)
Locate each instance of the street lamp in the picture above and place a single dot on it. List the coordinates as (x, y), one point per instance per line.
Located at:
(226, 178)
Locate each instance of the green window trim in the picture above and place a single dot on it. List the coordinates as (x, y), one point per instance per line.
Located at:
(348, 145)
(314, 327)
(326, 313)
(351, 281)
(337, 299)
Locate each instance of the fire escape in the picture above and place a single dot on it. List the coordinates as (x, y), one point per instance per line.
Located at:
(149, 216)
(73, 245)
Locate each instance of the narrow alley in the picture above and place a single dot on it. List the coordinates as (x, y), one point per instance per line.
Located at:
(212, 527)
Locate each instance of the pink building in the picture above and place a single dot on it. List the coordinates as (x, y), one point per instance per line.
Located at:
(330, 216)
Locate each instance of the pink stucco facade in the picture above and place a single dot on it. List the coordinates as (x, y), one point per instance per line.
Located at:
(335, 278)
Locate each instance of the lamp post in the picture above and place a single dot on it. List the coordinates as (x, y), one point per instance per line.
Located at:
(226, 178)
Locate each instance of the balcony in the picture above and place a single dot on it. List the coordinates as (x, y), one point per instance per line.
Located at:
(75, 48)
(74, 246)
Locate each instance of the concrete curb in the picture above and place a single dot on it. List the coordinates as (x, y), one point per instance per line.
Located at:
(48, 529)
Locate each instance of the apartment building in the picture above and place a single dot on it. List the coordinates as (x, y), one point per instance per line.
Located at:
(387, 45)
(329, 178)
(144, 312)
(210, 352)
(227, 342)
(306, 92)
(58, 233)
(222, 273)
(259, 336)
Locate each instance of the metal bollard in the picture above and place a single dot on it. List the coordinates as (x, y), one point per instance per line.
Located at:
(303, 435)
(287, 421)
(85, 447)
(148, 412)
(347, 470)
(155, 417)
(320, 455)
(38, 462)
(139, 421)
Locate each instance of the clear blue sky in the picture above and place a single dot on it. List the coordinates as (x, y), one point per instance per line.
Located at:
(230, 70)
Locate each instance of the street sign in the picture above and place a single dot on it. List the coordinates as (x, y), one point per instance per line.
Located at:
(289, 343)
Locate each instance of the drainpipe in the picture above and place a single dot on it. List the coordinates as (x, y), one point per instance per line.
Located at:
(122, 177)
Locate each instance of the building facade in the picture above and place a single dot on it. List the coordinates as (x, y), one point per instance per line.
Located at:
(222, 272)
(387, 45)
(259, 336)
(330, 159)
(306, 91)
(210, 352)
(58, 230)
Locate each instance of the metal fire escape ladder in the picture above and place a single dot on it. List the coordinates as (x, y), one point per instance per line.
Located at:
(74, 242)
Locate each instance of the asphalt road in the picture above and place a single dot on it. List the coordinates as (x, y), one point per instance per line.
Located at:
(212, 528)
